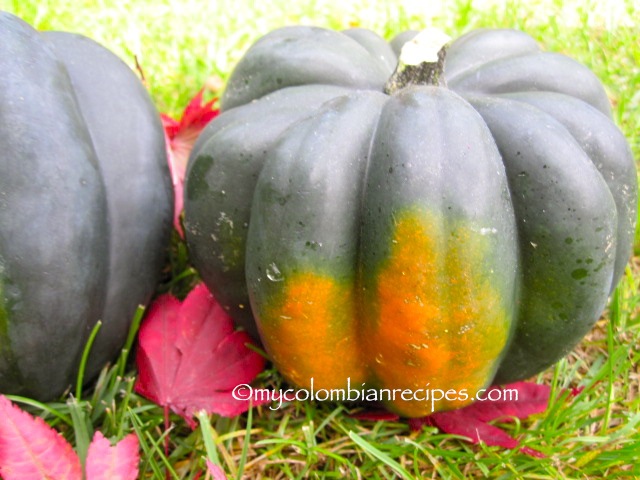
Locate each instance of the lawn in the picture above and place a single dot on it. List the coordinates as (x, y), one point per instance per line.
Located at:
(181, 46)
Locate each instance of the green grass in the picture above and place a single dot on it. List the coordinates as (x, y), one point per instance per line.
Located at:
(183, 45)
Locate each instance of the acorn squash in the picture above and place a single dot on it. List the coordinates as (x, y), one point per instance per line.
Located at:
(456, 223)
(85, 205)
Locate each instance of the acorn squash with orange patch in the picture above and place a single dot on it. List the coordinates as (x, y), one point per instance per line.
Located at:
(457, 223)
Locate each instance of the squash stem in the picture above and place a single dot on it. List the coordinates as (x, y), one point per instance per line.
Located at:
(421, 62)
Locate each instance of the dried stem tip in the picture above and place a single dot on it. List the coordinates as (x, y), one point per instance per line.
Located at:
(421, 61)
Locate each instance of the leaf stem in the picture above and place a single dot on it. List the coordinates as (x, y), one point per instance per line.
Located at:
(167, 426)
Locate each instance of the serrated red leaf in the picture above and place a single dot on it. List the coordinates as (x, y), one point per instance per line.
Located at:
(117, 462)
(180, 136)
(471, 422)
(29, 448)
(531, 398)
(158, 335)
(190, 357)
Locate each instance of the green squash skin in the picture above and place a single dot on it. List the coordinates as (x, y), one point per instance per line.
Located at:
(482, 46)
(571, 185)
(529, 72)
(608, 150)
(219, 184)
(483, 61)
(53, 227)
(377, 47)
(567, 234)
(128, 138)
(86, 206)
(305, 212)
(273, 63)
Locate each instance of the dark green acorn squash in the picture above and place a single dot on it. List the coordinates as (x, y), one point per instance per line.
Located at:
(85, 205)
(450, 235)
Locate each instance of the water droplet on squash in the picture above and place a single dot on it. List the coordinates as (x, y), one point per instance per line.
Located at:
(273, 273)
(313, 245)
(464, 329)
(379, 359)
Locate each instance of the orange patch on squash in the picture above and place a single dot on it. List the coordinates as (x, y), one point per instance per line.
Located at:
(310, 332)
(437, 322)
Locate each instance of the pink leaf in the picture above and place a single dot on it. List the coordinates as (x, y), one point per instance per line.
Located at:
(118, 462)
(190, 358)
(29, 448)
(180, 137)
(216, 472)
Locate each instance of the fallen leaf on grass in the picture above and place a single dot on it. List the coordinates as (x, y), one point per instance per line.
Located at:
(215, 471)
(472, 421)
(29, 448)
(117, 462)
(190, 357)
(180, 136)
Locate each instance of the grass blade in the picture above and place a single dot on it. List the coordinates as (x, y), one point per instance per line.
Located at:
(377, 454)
(85, 356)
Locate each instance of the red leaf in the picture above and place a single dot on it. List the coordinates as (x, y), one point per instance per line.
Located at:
(190, 357)
(180, 137)
(471, 422)
(29, 448)
(118, 462)
(532, 398)
(156, 371)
